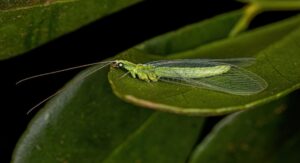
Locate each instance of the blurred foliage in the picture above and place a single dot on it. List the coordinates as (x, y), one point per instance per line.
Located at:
(26, 24)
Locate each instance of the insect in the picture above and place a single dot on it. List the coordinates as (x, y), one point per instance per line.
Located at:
(223, 75)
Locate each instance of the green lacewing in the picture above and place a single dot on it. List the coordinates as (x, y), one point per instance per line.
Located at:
(223, 75)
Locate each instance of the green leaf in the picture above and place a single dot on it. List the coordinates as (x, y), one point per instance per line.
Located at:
(268, 134)
(28, 24)
(88, 123)
(275, 46)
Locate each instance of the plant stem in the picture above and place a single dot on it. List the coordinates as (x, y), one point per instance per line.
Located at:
(279, 5)
(256, 7)
(250, 11)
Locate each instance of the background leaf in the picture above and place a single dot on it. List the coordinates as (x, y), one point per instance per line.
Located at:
(272, 45)
(28, 24)
(84, 125)
(269, 134)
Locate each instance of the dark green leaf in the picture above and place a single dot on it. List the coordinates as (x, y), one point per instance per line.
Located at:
(87, 123)
(276, 48)
(268, 134)
(28, 24)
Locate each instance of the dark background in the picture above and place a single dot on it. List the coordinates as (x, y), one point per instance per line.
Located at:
(92, 43)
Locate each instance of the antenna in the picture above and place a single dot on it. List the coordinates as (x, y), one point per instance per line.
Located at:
(106, 63)
(59, 71)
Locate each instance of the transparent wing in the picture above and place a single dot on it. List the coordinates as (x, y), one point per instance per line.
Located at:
(236, 81)
(242, 62)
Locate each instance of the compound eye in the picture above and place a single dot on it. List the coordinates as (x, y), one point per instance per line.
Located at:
(120, 64)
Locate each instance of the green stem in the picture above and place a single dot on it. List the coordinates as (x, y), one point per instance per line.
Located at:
(256, 7)
(278, 5)
(250, 11)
